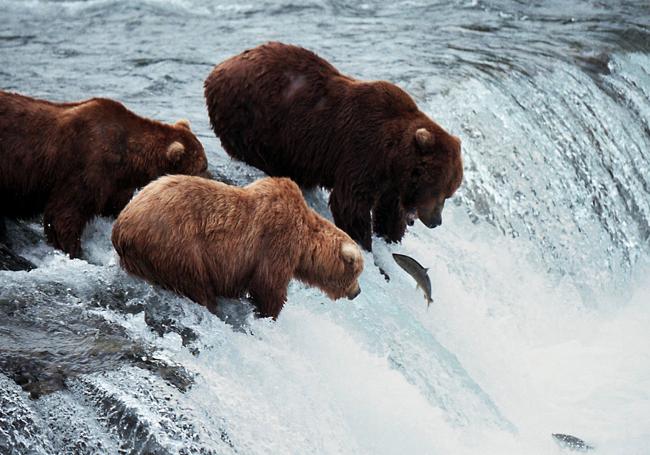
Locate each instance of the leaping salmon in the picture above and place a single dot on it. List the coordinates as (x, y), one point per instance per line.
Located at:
(419, 274)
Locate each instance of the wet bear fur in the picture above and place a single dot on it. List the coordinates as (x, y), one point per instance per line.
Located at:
(205, 239)
(74, 161)
(288, 112)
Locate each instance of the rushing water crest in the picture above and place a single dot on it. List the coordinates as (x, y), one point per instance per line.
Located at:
(539, 273)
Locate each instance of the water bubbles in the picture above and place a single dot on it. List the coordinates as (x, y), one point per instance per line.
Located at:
(539, 311)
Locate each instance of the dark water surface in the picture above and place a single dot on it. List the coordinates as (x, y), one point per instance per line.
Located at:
(539, 273)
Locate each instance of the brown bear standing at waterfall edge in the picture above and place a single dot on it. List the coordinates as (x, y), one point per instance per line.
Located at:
(288, 112)
(205, 239)
(74, 161)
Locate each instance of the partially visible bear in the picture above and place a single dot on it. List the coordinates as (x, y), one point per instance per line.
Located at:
(290, 113)
(74, 161)
(204, 239)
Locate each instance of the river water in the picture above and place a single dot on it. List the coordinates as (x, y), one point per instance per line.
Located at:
(540, 272)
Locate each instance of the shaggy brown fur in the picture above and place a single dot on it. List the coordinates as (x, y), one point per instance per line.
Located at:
(205, 239)
(290, 113)
(74, 161)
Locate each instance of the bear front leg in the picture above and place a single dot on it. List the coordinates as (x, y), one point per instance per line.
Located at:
(117, 201)
(64, 222)
(269, 295)
(3, 229)
(388, 217)
(352, 214)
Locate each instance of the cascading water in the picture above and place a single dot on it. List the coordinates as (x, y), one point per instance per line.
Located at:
(539, 272)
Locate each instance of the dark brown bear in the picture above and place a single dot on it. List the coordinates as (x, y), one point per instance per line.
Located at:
(206, 239)
(290, 113)
(74, 161)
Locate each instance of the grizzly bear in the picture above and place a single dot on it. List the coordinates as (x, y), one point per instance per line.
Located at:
(205, 239)
(288, 112)
(74, 161)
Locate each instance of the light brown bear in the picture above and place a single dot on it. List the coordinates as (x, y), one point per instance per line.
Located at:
(74, 161)
(204, 239)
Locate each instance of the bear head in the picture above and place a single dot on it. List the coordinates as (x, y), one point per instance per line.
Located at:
(331, 261)
(167, 149)
(185, 154)
(430, 173)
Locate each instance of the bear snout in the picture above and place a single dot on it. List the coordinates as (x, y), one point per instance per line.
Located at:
(431, 214)
(354, 293)
(433, 221)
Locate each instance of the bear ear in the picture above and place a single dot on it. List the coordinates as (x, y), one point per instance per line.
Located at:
(424, 139)
(350, 252)
(184, 123)
(175, 151)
